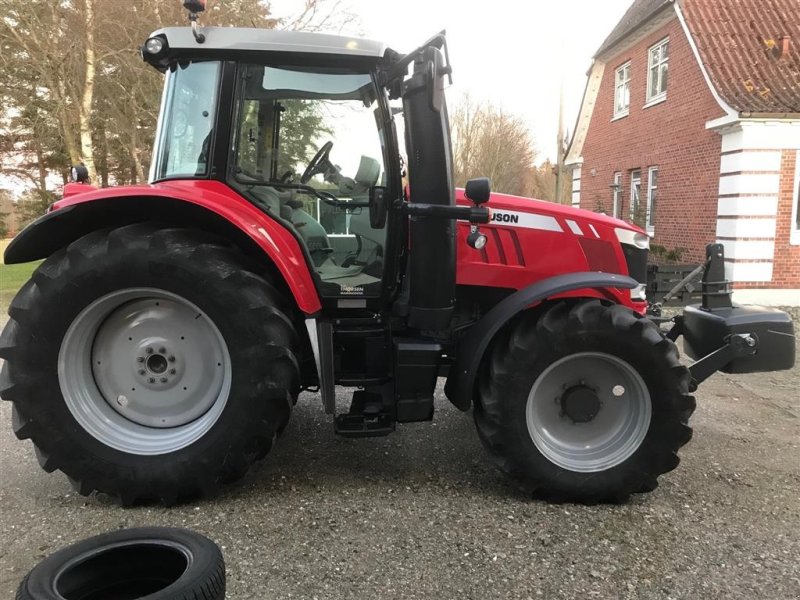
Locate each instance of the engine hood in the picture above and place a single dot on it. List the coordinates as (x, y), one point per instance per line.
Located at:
(559, 212)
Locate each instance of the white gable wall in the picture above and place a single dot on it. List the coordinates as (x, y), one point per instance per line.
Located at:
(747, 208)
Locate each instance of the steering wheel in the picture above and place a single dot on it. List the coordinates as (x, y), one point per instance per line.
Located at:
(320, 158)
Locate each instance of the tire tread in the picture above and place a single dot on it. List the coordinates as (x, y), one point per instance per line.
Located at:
(550, 328)
(270, 347)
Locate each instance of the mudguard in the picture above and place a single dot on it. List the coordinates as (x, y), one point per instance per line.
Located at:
(461, 380)
(208, 205)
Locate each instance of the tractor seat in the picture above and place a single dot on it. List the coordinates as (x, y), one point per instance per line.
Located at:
(369, 170)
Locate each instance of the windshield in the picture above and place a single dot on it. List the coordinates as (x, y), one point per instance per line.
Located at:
(187, 117)
(308, 149)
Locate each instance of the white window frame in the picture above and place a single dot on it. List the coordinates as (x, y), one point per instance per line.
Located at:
(654, 96)
(649, 215)
(617, 199)
(621, 82)
(636, 177)
(794, 227)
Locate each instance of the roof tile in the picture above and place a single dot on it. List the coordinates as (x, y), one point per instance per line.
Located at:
(638, 13)
(740, 43)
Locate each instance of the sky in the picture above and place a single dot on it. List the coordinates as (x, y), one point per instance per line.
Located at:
(514, 54)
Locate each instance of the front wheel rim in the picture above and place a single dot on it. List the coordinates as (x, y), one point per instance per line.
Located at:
(144, 371)
(606, 435)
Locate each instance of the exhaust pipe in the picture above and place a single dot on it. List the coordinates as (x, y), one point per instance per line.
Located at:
(432, 260)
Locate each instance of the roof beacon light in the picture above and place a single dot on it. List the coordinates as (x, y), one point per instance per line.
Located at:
(195, 7)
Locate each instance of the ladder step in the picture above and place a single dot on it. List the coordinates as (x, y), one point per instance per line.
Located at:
(363, 425)
(367, 417)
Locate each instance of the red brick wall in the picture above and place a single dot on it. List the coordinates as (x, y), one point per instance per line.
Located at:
(670, 135)
(786, 265)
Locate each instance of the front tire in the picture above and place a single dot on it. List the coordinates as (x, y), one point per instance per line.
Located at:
(148, 363)
(583, 401)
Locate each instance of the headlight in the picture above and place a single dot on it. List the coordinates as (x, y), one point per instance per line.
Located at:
(633, 238)
(154, 45)
(476, 240)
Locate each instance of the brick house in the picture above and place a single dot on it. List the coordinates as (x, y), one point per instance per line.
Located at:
(690, 126)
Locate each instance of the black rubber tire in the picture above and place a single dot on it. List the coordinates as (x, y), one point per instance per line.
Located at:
(535, 340)
(260, 337)
(152, 563)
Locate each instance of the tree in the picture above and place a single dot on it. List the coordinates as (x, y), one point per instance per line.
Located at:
(33, 205)
(491, 143)
(6, 203)
(73, 87)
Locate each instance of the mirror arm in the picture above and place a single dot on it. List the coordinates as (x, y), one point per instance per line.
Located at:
(400, 68)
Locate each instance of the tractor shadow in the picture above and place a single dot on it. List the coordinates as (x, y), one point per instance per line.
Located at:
(444, 455)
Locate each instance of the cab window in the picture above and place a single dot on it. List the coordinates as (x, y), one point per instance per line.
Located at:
(308, 149)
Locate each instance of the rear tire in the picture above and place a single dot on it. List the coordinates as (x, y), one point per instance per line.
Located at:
(581, 401)
(156, 563)
(101, 325)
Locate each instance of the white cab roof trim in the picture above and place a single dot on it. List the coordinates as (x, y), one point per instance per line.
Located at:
(271, 40)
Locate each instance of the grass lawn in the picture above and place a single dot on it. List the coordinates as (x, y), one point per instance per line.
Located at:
(12, 277)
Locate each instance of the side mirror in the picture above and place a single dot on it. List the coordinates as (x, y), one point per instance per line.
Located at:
(378, 207)
(478, 190)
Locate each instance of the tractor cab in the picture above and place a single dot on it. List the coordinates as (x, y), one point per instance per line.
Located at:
(307, 144)
(300, 125)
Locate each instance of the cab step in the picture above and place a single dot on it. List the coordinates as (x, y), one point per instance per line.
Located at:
(367, 417)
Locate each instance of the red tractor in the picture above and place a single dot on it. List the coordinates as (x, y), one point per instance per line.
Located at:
(159, 349)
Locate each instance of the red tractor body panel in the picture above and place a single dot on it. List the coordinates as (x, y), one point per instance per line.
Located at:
(530, 240)
(276, 242)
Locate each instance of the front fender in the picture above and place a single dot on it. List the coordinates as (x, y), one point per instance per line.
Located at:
(460, 385)
(206, 205)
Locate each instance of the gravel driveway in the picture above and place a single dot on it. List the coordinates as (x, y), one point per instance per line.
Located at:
(422, 514)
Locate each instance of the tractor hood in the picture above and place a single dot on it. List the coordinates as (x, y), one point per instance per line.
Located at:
(555, 213)
(530, 240)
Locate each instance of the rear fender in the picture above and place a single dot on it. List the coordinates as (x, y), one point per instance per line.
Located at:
(460, 385)
(225, 214)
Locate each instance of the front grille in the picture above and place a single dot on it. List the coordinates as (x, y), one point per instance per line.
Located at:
(599, 255)
(636, 259)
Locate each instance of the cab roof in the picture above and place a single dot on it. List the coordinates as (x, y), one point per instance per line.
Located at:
(244, 39)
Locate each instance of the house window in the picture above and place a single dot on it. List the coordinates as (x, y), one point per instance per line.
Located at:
(636, 187)
(617, 187)
(622, 90)
(657, 62)
(652, 189)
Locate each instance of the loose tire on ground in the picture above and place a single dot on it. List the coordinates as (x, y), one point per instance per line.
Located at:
(153, 563)
(553, 460)
(131, 293)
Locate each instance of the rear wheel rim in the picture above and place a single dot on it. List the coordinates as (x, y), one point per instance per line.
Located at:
(144, 371)
(599, 439)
